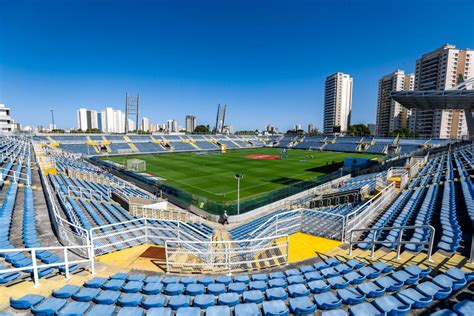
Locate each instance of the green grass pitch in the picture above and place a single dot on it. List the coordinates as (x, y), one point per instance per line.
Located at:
(213, 175)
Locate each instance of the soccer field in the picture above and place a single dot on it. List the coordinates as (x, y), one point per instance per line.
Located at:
(212, 175)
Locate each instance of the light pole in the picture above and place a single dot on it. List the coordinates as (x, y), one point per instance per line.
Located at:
(238, 177)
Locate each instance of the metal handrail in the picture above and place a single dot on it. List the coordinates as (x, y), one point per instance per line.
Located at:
(400, 242)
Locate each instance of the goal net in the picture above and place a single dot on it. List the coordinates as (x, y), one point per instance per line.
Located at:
(136, 165)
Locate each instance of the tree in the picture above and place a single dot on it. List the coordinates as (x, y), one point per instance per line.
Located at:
(358, 130)
(93, 131)
(58, 131)
(402, 132)
(201, 129)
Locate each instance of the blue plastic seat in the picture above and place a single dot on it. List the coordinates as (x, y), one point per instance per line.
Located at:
(26, 301)
(313, 276)
(187, 280)
(206, 280)
(414, 298)
(354, 277)
(318, 286)
(152, 288)
(248, 309)
(228, 299)
(296, 279)
(136, 277)
(404, 277)
(277, 275)
(276, 293)
(151, 301)
(329, 272)
(194, 289)
(66, 291)
(444, 312)
(332, 262)
(371, 289)
(85, 294)
(275, 308)
(119, 276)
(369, 272)
(298, 290)
(389, 284)
(237, 287)
(107, 297)
(220, 310)
(428, 288)
(178, 301)
(320, 265)
(153, 279)
(49, 306)
(447, 282)
(159, 311)
(188, 311)
(258, 285)
(223, 279)
(327, 300)
(95, 282)
(74, 309)
(279, 282)
(306, 269)
(132, 287)
(464, 308)
(253, 297)
(355, 264)
(343, 268)
(391, 305)
(102, 310)
(335, 312)
(216, 288)
(459, 274)
(130, 299)
(417, 271)
(174, 289)
(350, 296)
(169, 280)
(365, 309)
(338, 282)
(113, 284)
(259, 277)
(301, 305)
(203, 300)
(242, 278)
(292, 272)
(382, 267)
(130, 311)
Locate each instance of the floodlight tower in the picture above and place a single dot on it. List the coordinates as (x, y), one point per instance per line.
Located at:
(131, 109)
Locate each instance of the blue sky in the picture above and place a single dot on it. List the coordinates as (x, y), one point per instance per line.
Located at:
(266, 59)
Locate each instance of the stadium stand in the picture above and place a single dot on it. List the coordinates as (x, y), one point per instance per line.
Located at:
(439, 193)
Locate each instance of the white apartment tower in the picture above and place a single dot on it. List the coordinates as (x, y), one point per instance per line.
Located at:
(190, 123)
(442, 69)
(86, 119)
(391, 115)
(113, 121)
(337, 103)
(145, 124)
(6, 122)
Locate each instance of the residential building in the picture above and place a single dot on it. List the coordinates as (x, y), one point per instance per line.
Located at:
(442, 69)
(86, 119)
(391, 115)
(311, 128)
(337, 103)
(146, 124)
(190, 123)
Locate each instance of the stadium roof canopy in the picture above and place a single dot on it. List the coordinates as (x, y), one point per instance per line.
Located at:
(435, 99)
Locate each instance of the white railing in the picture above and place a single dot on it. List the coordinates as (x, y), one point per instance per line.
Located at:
(15, 176)
(162, 214)
(35, 266)
(85, 193)
(399, 242)
(324, 224)
(401, 173)
(229, 256)
(363, 213)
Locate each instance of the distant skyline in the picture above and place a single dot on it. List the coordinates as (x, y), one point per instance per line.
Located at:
(267, 60)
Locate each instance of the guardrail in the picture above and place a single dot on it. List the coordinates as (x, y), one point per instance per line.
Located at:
(229, 256)
(400, 241)
(73, 191)
(35, 266)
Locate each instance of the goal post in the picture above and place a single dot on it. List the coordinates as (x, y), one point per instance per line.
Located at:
(138, 165)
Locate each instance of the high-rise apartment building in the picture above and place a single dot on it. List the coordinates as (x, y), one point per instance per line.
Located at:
(190, 123)
(337, 103)
(86, 119)
(6, 122)
(391, 115)
(113, 121)
(442, 69)
(146, 124)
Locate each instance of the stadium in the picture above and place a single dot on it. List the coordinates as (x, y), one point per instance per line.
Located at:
(100, 224)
